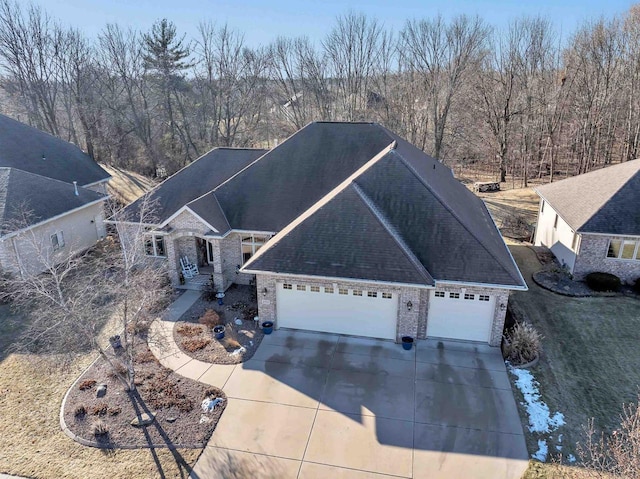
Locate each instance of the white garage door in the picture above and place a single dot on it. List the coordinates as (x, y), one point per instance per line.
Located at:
(336, 310)
(460, 316)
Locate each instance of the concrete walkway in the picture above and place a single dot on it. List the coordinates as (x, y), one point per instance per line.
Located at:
(164, 347)
(313, 405)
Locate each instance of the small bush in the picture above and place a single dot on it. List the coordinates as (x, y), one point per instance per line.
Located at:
(210, 319)
(636, 286)
(211, 392)
(114, 411)
(603, 281)
(145, 357)
(231, 343)
(163, 393)
(99, 429)
(80, 411)
(189, 330)
(87, 384)
(524, 344)
(99, 410)
(195, 344)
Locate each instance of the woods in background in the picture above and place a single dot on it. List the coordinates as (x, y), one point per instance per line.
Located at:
(518, 102)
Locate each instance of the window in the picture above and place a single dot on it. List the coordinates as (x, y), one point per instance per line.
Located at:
(251, 244)
(328, 290)
(624, 249)
(439, 294)
(357, 292)
(555, 222)
(483, 297)
(315, 289)
(287, 286)
(372, 294)
(154, 245)
(57, 240)
(469, 296)
(343, 291)
(386, 295)
(301, 287)
(454, 295)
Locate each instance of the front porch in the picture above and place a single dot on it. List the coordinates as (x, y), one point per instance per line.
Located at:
(198, 282)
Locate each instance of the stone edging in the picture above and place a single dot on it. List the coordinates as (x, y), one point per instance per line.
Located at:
(86, 442)
(534, 276)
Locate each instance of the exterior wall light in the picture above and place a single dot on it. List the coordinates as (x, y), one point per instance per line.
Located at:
(264, 292)
(503, 307)
(409, 305)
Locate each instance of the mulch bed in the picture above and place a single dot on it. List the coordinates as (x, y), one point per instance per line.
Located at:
(561, 283)
(179, 422)
(241, 340)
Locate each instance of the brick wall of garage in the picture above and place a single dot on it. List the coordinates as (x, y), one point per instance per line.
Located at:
(408, 322)
(499, 314)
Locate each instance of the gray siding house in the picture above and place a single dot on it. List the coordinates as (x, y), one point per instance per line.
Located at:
(591, 222)
(344, 228)
(51, 198)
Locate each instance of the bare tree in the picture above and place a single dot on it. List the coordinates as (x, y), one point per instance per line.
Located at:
(70, 294)
(442, 56)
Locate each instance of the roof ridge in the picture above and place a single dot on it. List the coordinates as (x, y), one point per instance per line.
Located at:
(394, 233)
(628, 180)
(320, 203)
(455, 215)
(25, 172)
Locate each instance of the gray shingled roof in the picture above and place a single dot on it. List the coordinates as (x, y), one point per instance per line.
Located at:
(29, 149)
(195, 180)
(42, 198)
(343, 239)
(602, 201)
(293, 176)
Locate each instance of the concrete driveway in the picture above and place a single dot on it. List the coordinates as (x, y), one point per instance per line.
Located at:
(311, 405)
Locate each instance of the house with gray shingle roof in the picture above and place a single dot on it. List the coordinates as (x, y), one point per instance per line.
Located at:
(344, 228)
(51, 198)
(591, 222)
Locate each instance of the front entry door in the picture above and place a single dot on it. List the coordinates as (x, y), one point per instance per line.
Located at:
(201, 248)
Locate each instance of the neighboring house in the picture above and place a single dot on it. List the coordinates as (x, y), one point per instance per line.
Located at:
(346, 228)
(591, 222)
(51, 198)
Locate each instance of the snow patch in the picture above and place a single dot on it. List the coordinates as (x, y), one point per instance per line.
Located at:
(571, 458)
(540, 418)
(543, 450)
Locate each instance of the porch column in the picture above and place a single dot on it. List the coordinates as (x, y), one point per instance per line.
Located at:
(172, 261)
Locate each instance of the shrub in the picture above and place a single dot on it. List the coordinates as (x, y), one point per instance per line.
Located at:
(87, 384)
(163, 393)
(80, 411)
(114, 411)
(210, 318)
(99, 429)
(231, 343)
(189, 330)
(99, 410)
(145, 357)
(636, 286)
(603, 281)
(524, 344)
(211, 392)
(195, 344)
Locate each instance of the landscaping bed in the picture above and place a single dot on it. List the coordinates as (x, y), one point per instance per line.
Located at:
(242, 335)
(180, 420)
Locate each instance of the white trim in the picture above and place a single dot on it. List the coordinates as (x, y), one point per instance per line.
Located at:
(53, 218)
(183, 209)
(321, 202)
(331, 279)
(610, 235)
(481, 285)
(97, 182)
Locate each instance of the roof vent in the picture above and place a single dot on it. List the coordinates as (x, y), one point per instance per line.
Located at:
(75, 187)
(394, 145)
(44, 157)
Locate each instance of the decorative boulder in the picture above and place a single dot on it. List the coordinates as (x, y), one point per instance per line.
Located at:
(101, 391)
(144, 419)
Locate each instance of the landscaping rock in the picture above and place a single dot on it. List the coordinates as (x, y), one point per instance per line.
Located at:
(144, 419)
(171, 419)
(101, 391)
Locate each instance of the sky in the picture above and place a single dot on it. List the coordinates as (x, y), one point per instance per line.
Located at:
(261, 22)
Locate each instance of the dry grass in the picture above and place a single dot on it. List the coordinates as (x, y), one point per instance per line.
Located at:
(127, 186)
(210, 318)
(590, 364)
(189, 330)
(32, 443)
(195, 344)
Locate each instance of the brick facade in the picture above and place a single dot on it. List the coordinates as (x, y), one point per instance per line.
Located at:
(592, 257)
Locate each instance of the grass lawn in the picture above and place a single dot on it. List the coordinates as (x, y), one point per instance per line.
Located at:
(591, 359)
(31, 441)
